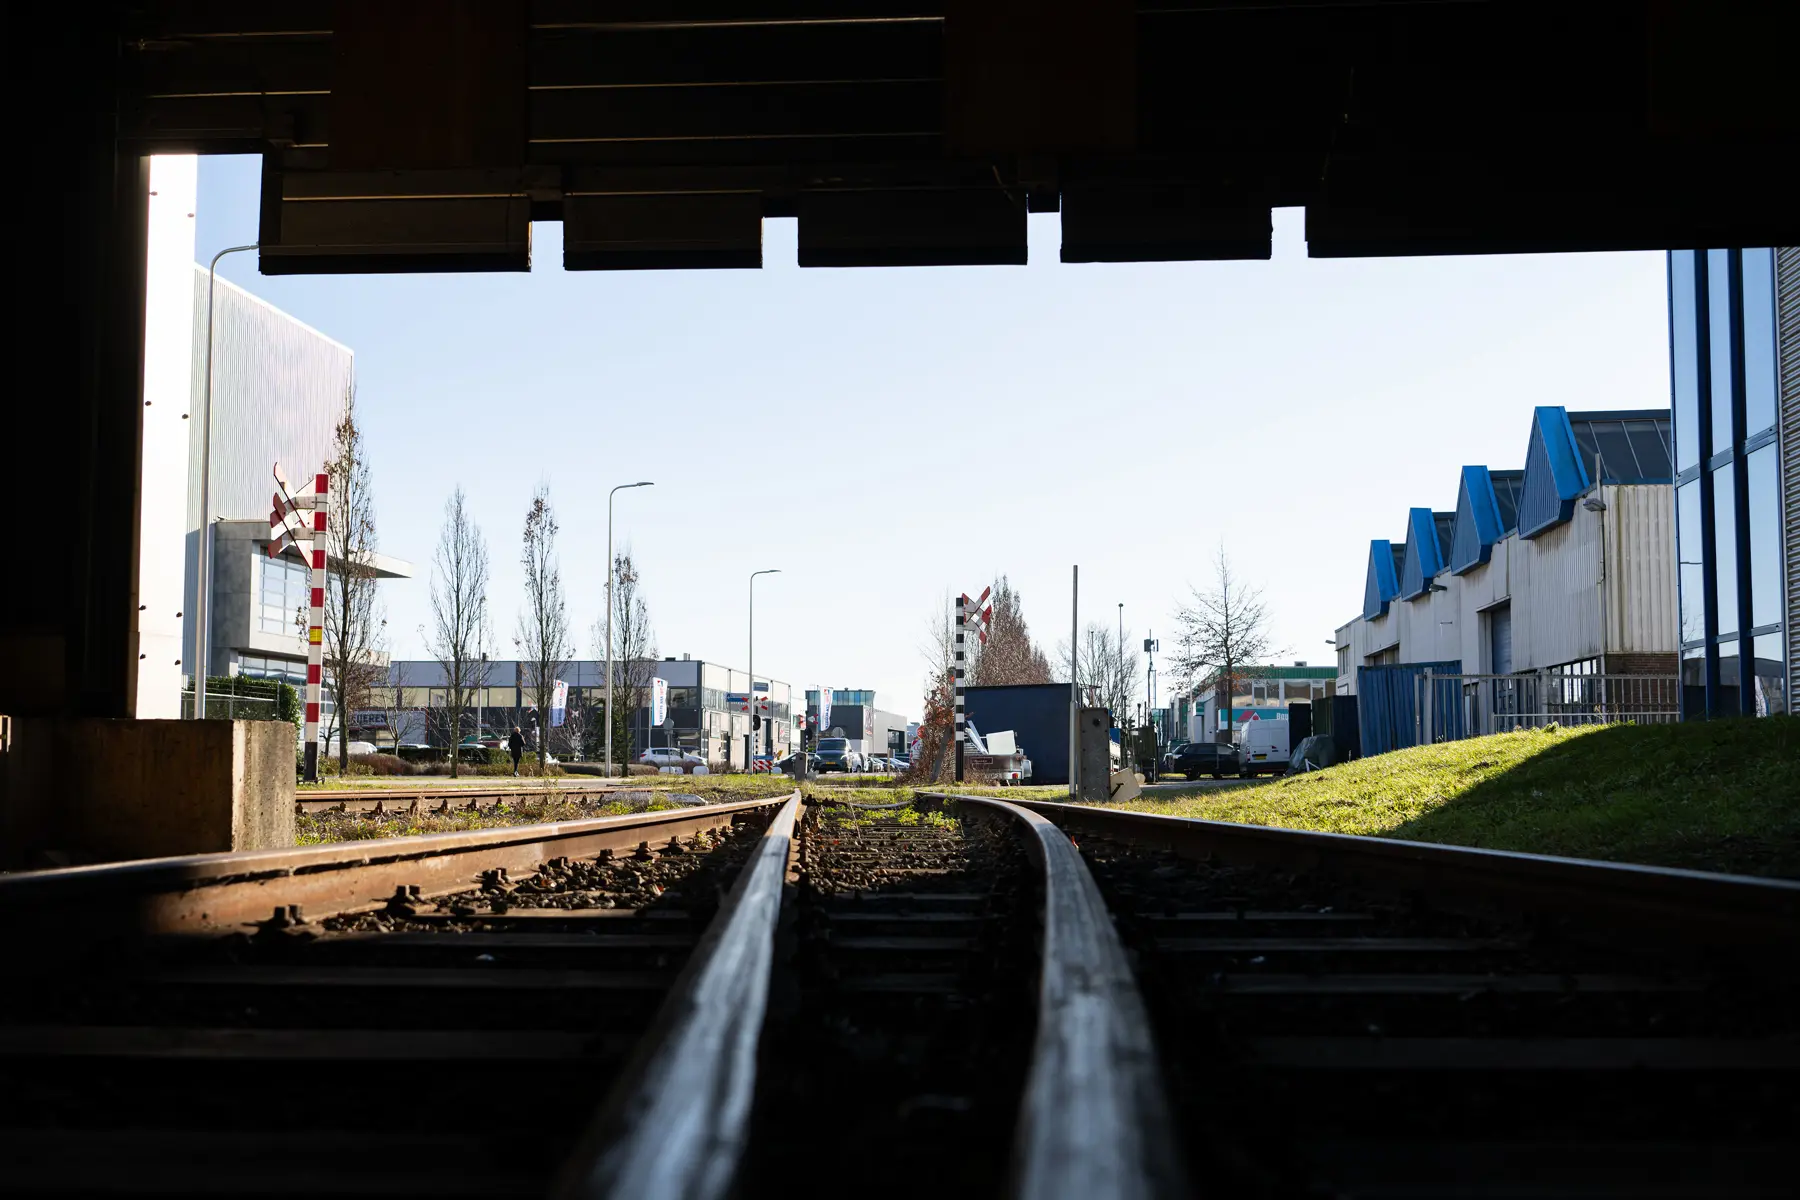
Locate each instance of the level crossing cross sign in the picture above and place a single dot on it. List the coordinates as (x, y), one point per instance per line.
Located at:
(290, 529)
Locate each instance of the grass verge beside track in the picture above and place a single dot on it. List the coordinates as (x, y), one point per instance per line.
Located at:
(1707, 795)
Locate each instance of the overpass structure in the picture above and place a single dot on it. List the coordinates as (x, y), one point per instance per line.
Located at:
(420, 136)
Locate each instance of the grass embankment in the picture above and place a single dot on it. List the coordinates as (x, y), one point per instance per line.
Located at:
(1713, 796)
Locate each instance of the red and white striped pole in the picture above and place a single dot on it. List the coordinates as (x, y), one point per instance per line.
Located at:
(315, 632)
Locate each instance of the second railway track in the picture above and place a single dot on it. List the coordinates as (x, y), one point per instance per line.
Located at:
(946, 999)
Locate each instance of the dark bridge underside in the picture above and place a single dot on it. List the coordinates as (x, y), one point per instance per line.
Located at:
(427, 134)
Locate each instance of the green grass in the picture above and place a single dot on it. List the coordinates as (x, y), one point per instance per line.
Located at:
(1715, 795)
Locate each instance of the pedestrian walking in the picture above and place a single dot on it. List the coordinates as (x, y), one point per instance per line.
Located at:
(516, 744)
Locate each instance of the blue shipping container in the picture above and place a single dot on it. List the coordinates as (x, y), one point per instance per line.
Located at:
(1038, 713)
(1387, 704)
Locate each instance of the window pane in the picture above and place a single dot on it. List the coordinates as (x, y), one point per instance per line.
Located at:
(1765, 538)
(1725, 589)
(1692, 576)
(1718, 321)
(1759, 340)
(1693, 683)
(1684, 365)
(1771, 677)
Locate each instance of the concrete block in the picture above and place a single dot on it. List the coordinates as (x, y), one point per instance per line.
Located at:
(105, 790)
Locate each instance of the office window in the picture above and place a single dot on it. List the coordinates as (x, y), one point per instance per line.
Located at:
(1684, 359)
(1692, 576)
(284, 588)
(1719, 327)
(1759, 341)
(1725, 577)
(1770, 677)
(1765, 537)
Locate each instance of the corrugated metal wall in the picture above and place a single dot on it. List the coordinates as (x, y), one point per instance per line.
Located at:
(1555, 593)
(1787, 284)
(279, 388)
(1641, 598)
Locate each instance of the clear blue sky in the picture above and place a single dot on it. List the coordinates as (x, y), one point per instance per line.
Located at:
(884, 435)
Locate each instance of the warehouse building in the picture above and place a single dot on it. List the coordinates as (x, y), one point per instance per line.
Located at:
(855, 713)
(1545, 593)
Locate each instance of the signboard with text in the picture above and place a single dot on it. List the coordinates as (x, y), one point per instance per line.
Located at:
(559, 703)
(659, 701)
(824, 709)
(737, 702)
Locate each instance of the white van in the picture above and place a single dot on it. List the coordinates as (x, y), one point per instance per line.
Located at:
(1263, 748)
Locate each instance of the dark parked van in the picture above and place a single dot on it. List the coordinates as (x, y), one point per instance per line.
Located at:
(1194, 759)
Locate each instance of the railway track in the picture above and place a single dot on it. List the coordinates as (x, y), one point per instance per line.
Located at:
(948, 999)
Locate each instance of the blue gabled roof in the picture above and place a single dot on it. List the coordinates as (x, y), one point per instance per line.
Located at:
(1478, 521)
(1427, 543)
(1554, 473)
(1384, 579)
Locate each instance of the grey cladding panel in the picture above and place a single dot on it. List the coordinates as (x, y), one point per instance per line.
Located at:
(1160, 224)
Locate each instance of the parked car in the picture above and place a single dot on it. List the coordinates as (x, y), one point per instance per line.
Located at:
(900, 765)
(1194, 759)
(1263, 748)
(668, 756)
(878, 763)
(835, 754)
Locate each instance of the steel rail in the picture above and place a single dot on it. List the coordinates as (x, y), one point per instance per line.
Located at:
(1094, 1119)
(212, 893)
(676, 1125)
(1660, 908)
(410, 799)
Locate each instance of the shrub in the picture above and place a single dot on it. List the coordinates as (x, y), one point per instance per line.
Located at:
(382, 764)
(641, 769)
(720, 767)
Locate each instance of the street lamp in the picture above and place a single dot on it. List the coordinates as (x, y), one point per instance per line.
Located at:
(750, 733)
(609, 614)
(202, 643)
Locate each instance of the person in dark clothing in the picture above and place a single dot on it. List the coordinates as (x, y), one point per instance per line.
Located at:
(516, 744)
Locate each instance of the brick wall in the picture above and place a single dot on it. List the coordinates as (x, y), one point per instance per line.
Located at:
(1642, 664)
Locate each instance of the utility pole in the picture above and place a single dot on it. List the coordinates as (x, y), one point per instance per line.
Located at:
(1075, 684)
(609, 615)
(750, 725)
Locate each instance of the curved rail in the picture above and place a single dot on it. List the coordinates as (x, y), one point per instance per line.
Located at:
(207, 893)
(1659, 907)
(1093, 1120)
(676, 1125)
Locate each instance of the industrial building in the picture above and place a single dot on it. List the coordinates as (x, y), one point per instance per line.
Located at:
(854, 712)
(698, 718)
(1263, 693)
(1734, 357)
(279, 389)
(1564, 569)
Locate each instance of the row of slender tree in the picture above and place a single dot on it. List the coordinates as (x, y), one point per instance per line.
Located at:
(461, 634)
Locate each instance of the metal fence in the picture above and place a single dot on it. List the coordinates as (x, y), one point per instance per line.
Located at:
(1448, 707)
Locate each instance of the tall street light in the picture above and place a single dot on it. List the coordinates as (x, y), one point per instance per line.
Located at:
(609, 613)
(202, 643)
(750, 733)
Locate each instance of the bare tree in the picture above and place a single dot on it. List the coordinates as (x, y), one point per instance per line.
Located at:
(1224, 635)
(353, 621)
(459, 615)
(543, 639)
(1009, 655)
(935, 754)
(1106, 670)
(634, 651)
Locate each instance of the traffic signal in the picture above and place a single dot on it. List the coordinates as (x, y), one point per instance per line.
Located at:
(755, 720)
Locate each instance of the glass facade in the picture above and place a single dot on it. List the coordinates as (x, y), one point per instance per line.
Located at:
(283, 593)
(1723, 366)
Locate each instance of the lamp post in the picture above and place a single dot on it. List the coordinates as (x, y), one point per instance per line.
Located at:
(202, 643)
(609, 613)
(750, 733)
